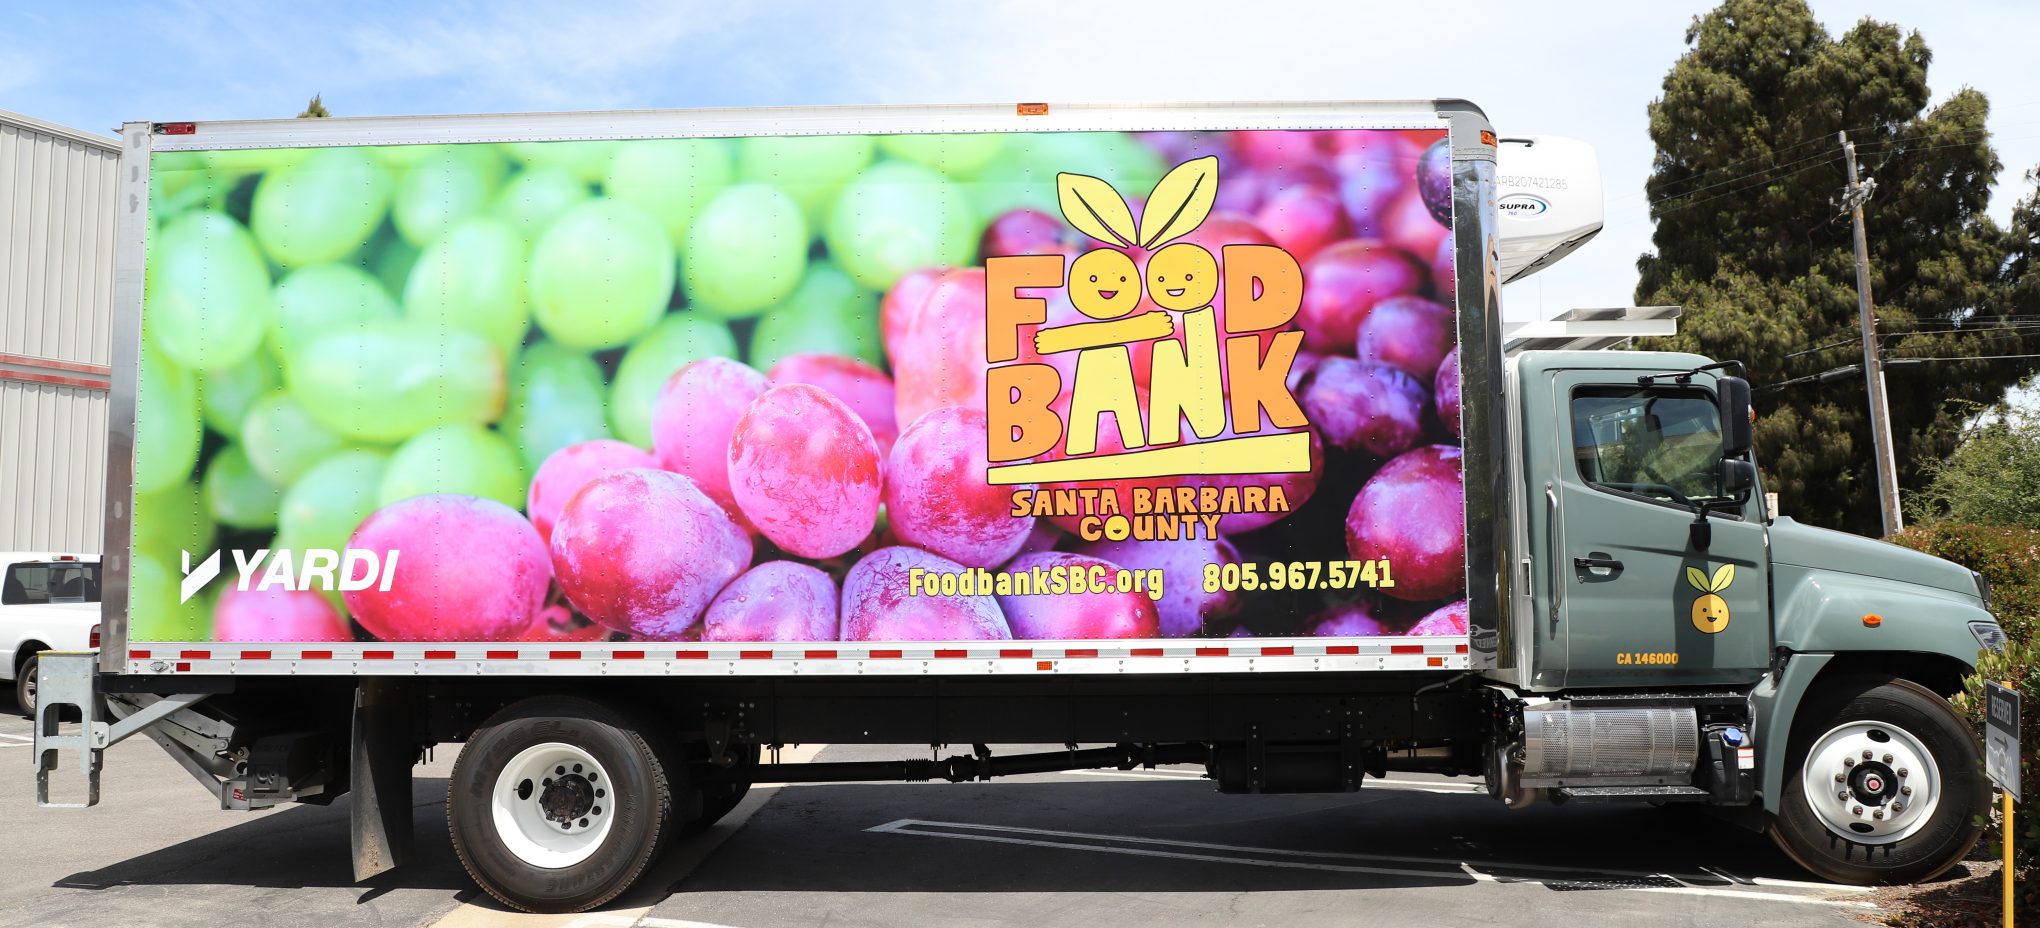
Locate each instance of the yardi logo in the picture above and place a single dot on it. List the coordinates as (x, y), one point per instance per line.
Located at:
(308, 569)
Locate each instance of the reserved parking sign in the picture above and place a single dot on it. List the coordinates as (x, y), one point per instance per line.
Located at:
(2001, 739)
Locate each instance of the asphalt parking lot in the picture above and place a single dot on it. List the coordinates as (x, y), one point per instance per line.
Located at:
(1049, 851)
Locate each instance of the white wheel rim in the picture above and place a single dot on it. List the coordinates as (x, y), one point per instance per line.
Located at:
(1871, 782)
(538, 786)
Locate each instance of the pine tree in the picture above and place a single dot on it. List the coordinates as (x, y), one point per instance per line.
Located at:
(1752, 241)
(315, 109)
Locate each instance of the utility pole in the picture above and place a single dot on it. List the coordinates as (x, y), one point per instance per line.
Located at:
(1873, 363)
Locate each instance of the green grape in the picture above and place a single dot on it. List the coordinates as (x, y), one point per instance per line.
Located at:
(587, 160)
(1018, 177)
(314, 301)
(322, 509)
(672, 180)
(401, 158)
(677, 340)
(601, 275)
(959, 154)
(535, 197)
(210, 291)
(321, 209)
(829, 314)
(233, 162)
(387, 381)
(473, 278)
(898, 217)
(166, 424)
(236, 494)
(811, 169)
(464, 459)
(154, 614)
(445, 189)
(747, 249)
(178, 181)
(283, 441)
(171, 520)
(556, 399)
(226, 395)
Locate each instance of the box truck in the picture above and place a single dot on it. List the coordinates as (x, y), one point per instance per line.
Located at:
(622, 448)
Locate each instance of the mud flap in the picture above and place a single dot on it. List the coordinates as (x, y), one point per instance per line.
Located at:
(382, 751)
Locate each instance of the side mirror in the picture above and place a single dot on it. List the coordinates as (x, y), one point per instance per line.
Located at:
(1737, 477)
(1732, 395)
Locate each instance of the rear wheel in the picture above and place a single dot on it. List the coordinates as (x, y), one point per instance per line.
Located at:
(1883, 785)
(558, 804)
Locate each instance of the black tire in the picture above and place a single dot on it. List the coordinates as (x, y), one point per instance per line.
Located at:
(638, 788)
(722, 787)
(1948, 833)
(24, 686)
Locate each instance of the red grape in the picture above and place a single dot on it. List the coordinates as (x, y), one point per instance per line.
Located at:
(1407, 332)
(693, 417)
(1444, 277)
(277, 615)
(1449, 619)
(1185, 606)
(865, 389)
(1409, 225)
(805, 470)
(468, 569)
(1413, 512)
(1022, 232)
(1434, 181)
(899, 307)
(775, 601)
(569, 469)
(878, 604)
(1348, 620)
(936, 495)
(644, 551)
(940, 356)
(1446, 390)
(1342, 285)
(1361, 406)
(1303, 219)
(1044, 616)
(1374, 169)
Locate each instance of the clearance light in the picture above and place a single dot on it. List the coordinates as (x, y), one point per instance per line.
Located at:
(1872, 620)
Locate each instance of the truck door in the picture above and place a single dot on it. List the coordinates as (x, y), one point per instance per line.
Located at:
(1641, 602)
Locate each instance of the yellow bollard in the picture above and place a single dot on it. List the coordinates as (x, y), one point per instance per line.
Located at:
(2009, 840)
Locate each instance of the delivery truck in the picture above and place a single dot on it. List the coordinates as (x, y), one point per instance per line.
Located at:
(623, 448)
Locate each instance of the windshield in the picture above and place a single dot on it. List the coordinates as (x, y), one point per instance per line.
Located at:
(50, 582)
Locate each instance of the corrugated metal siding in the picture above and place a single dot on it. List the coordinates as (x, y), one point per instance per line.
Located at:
(57, 198)
(53, 492)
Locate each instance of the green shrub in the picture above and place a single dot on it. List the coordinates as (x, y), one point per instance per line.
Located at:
(2010, 559)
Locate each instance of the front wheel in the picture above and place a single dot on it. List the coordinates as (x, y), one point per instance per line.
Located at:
(24, 687)
(558, 804)
(1884, 785)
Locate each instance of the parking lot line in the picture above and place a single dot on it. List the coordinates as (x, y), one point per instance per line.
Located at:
(1440, 869)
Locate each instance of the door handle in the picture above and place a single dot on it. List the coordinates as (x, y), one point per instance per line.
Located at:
(1552, 542)
(1600, 563)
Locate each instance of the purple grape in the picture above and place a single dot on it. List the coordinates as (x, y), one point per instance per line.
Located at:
(1360, 406)
(776, 601)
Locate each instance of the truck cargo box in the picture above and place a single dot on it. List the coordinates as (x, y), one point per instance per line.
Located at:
(912, 391)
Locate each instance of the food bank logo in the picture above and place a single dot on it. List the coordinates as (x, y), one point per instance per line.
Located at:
(309, 569)
(1209, 379)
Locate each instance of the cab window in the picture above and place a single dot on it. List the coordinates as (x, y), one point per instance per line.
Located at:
(1662, 443)
(58, 582)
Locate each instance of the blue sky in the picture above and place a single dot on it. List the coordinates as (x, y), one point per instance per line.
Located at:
(1582, 69)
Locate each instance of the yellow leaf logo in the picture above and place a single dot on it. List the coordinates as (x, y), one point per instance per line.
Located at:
(1710, 611)
(1180, 202)
(1094, 208)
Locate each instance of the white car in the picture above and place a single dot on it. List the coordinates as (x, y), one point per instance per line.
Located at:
(48, 602)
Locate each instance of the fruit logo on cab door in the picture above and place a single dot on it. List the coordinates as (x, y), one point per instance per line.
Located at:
(1710, 611)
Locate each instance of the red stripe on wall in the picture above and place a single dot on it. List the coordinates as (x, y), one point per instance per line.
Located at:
(78, 367)
(57, 379)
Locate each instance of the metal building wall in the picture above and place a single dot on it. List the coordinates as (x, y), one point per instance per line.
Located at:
(57, 191)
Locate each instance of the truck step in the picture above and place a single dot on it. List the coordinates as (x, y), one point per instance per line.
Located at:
(1659, 793)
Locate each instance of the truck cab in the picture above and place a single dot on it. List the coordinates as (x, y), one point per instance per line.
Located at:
(1654, 591)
